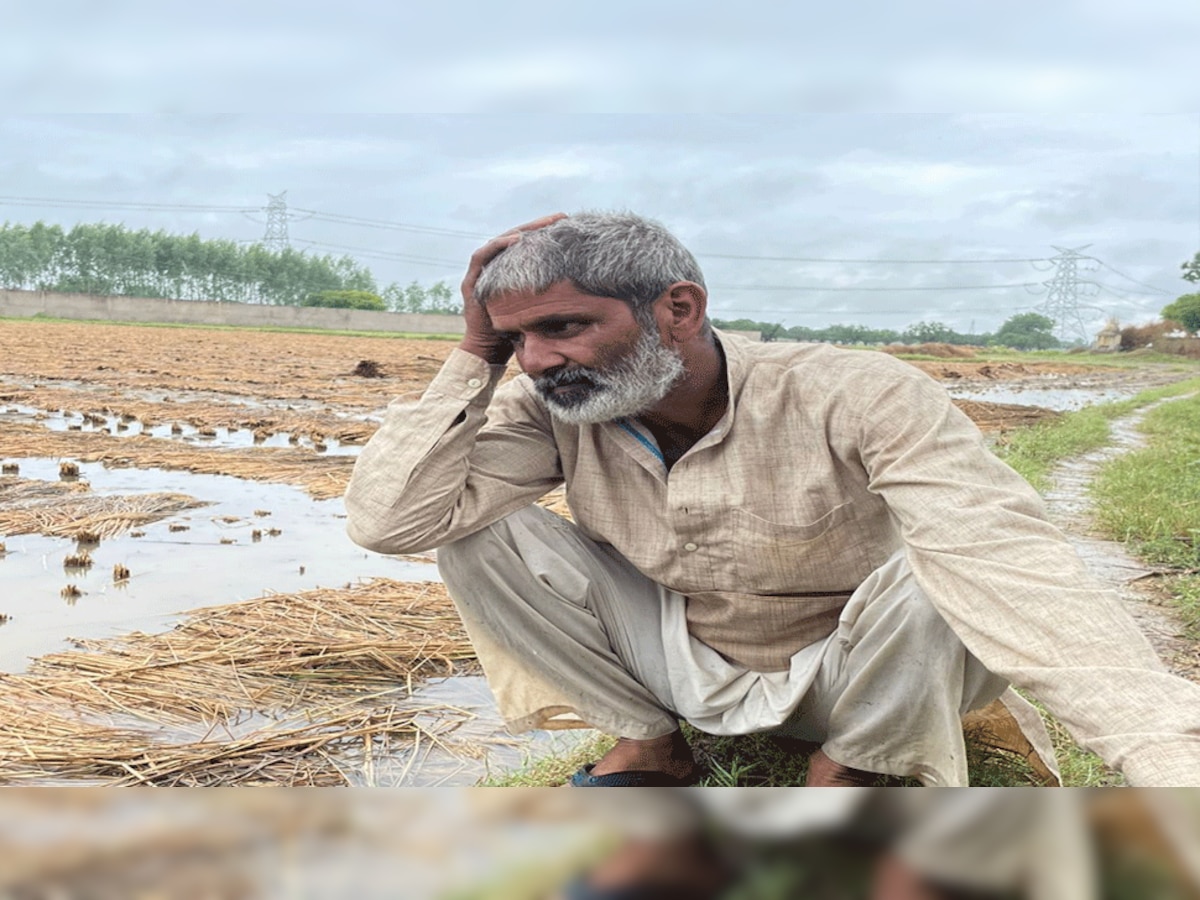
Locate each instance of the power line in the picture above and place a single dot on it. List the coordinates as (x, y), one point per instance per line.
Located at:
(383, 254)
(396, 226)
(723, 313)
(276, 236)
(814, 259)
(1063, 292)
(1156, 290)
(118, 204)
(880, 289)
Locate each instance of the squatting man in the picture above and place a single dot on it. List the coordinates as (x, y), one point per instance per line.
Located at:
(789, 538)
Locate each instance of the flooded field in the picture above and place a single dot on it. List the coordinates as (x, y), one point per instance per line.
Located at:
(212, 464)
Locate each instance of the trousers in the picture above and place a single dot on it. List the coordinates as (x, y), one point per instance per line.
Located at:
(570, 634)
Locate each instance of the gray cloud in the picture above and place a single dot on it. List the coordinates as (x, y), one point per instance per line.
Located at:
(831, 186)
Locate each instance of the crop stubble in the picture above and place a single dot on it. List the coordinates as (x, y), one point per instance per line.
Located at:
(317, 663)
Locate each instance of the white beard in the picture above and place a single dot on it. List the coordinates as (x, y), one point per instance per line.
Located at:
(630, 386)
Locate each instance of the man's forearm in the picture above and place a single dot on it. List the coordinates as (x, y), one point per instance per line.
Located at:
(418, 457)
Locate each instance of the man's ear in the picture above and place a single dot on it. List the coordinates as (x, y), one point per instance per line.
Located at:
(681, 310)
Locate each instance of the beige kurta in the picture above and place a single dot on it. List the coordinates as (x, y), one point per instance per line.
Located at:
(826, 462)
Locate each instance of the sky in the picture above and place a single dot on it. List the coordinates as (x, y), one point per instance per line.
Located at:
(821, 172)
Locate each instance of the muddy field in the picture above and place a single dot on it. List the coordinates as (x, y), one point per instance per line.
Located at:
(152, 471)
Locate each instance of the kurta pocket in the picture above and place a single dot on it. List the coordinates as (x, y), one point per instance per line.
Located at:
(784, 558)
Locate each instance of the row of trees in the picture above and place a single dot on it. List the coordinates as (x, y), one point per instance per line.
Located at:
(111, 259)
(1025, 331)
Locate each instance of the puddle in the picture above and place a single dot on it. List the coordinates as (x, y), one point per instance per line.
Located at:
(172, 571)
(249, 402)
(188, 434)
(158, 395)
(493, 749)
(1058, 399)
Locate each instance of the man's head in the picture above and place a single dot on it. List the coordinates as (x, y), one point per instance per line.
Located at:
(587, 302)
(603, 254)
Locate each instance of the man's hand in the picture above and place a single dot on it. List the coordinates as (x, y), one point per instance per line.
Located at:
(481, 339)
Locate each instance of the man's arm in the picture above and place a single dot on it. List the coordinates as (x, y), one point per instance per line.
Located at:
(1015, 591)
(433, 472)
(452, 462)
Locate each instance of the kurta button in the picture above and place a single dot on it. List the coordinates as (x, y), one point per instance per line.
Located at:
(474, 382)
(689, 547)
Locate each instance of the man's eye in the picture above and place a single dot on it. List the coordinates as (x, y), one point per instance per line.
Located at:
(558, 329)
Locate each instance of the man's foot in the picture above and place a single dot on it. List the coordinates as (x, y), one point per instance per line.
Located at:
(894, 879)
(824, 772)
(669, 754)
(668, 867)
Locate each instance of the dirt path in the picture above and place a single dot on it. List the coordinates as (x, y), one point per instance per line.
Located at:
(1069, 507)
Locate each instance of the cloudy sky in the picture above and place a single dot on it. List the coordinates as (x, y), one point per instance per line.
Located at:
(838, 211)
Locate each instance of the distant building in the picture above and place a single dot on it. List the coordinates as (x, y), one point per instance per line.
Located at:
(1109, 338)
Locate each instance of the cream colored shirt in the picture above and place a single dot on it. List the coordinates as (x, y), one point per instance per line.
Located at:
(824, 464)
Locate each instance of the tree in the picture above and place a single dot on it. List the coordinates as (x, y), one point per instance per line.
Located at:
(346, 300)
(1191, 270)
(1185, 311)
(1027, 331)
(927, 333)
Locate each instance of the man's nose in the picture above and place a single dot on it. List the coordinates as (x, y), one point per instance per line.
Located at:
(536, 356)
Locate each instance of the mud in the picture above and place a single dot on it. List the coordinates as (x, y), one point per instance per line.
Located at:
(1069, 507)
(205, 556)
(118, 395)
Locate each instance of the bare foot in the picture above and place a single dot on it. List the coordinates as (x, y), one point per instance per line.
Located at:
(824, 772)
(669, 753)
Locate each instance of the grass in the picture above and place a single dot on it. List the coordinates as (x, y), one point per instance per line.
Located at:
(1157, 508)
(1150, 499)
(1034, 451)
(410, 335)
(554, 768)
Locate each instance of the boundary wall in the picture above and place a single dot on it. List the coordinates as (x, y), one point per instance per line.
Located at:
(24, 304)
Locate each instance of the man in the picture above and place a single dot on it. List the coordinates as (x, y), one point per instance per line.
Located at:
(780, 537)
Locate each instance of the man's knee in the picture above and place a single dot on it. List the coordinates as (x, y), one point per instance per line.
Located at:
(473, 554)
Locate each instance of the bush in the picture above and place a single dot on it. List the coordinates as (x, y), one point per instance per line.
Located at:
(1186, 311)
(1135, 337)
(346, 300)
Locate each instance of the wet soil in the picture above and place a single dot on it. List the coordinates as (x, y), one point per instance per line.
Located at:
(131, 398)
(1069, 507)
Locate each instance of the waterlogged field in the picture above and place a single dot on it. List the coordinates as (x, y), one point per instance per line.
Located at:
(179, 602)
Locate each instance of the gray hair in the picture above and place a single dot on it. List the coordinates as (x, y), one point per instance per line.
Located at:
(606, 254)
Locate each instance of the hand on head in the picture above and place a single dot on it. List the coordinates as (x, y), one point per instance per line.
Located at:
(480, 338)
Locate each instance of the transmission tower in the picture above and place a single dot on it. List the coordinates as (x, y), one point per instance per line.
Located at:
(276, 236)
(1063, 292)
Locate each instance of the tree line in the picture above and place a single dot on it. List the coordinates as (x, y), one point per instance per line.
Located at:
(114, 260)
(1024, 331)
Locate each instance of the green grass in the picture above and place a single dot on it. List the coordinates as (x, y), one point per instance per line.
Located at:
(254, 328)
(1157, 509)
(1150, 500)
(1034, 451)
(554, 768)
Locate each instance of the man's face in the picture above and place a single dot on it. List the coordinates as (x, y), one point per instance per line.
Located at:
(589, 358)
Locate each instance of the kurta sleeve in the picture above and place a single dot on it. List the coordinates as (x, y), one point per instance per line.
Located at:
(464, 455)
(1015, 591)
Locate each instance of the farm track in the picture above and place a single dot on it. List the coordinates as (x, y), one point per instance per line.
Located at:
(1069, 507)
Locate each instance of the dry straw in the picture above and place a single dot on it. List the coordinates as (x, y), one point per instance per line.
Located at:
(323, 477)
(286, 689)
(58, 509)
